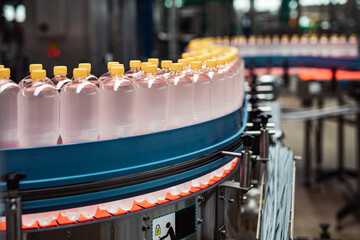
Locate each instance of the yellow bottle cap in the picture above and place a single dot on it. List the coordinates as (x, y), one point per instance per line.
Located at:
(196, 65)
(135, 63)
(143, 64)
(38, 74)
(150, 68)
(186, 55)
(177, 67)
(154, 61)
(166, 63)
(200, 58)
(79, 72)
(4, 72)
(87, 66)
(184, 61)
(1, 66)
(115, 65)
(60, 70)
(191, 59)
(211, 63)
(35, 67)
(220, 61)
(117, 70)
(110, 64)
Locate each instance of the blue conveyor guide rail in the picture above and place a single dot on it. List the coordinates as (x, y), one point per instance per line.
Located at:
(75, 175)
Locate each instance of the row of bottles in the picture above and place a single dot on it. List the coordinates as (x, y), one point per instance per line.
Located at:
(334, 46)
(40, 111)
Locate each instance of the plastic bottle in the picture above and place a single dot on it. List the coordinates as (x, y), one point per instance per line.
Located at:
(294, 45)
(27, 80)
(353, 46)
(91, 78)
(202, 92)
(151, 101)
(134, 69)
(8, 110)
(218, 87)
(117, 105)
(165, 68)
(285, 45)
(107, 74)
(38, 112)
(304, 46)
(181, 95)
(79, 109)
(228, 73)
(324, 45)
(275, 45)
(334, 45)
(201, 59)
(60, 79)
(314, 45)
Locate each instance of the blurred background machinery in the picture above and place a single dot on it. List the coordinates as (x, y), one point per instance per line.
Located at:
(68, 32)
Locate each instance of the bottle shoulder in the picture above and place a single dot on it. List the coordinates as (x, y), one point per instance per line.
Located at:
(39, 89)
(78, 87)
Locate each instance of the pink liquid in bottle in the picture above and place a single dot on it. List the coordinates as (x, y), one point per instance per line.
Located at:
(8, 110)
(151, 101)
(79, 109)
(181, 97)
(202, 93)
(117, 106)
(38, 112)
(218, 89)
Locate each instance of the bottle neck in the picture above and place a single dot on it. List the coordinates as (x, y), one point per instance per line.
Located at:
(220, 66)
(196, 70)
(4, 78)
(150, 74)
(118, 76)
(39, 80)
(176, 72)
(79, 79)
(213, 69)
(165, 69)
(60, 76)
(135, 69)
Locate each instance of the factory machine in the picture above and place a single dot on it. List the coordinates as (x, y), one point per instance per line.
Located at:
(226, 178)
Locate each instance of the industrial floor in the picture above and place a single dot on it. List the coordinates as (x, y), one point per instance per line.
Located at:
(321, 201)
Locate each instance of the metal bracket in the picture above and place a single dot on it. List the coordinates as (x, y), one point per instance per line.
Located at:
(235, 185)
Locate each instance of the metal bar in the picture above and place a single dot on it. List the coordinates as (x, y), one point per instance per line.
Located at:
(307, 146)
(319, 139)
(340, 139)
(293, 201)
(258, 227)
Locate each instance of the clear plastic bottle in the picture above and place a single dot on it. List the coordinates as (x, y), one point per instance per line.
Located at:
(275, 45)
(181, 96)
(202, 92)
(134, 69)
(8, 110)
(294, 45)
(60, 79)
(117, 105)
(91, 78)
(304, 46)
(314, 45)
(27, 80)
(79, 109)
(38, 112)
(285, 45)
(201, 59)
(228, 73)
(165, 68)
(324, 45)
(353, 46)
(151, 101)
(107, 74)
(218, 87)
